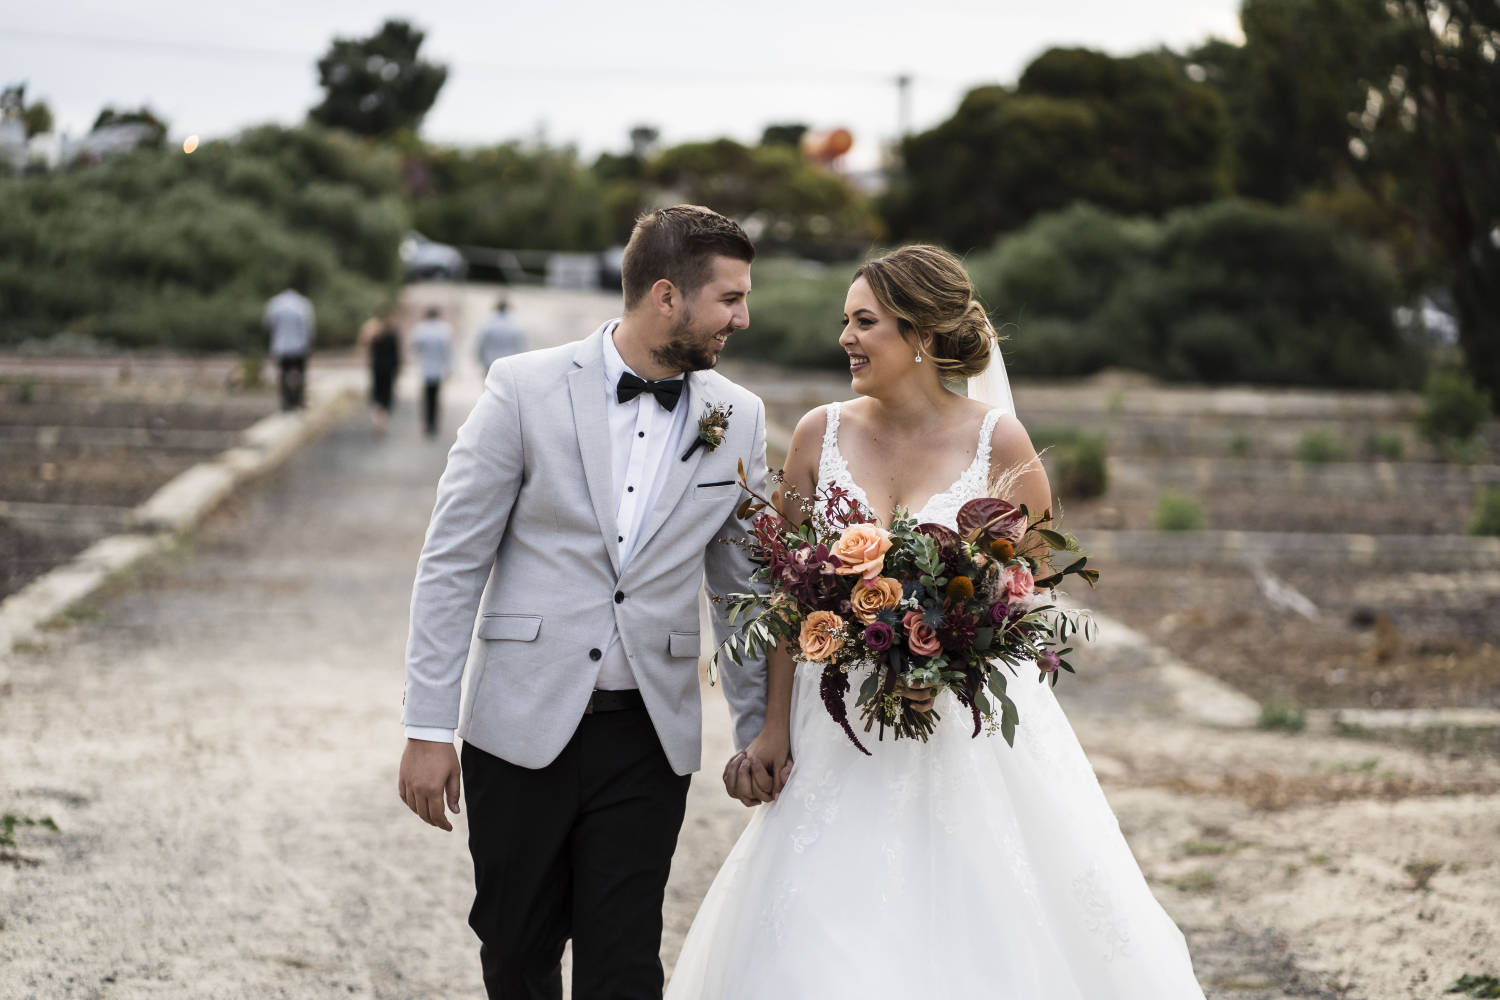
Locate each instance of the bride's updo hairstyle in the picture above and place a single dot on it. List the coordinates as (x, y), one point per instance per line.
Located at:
(929, 292)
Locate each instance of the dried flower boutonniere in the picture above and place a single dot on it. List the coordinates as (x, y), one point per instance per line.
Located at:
(711, 428)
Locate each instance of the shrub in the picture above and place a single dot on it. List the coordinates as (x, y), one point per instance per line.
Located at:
(1230, 292)
(1486, 519)
(1081, 466)
(1318, 446)
(1281, 714)
(1387, 445)
(1175, 512)
(1453, 408)
(794, 315)
(1241, 444)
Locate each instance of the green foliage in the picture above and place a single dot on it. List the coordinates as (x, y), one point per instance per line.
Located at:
(1318, 446)
(1176, 512)
(10, 821)
(1132, 134)
(1387, 445)
(1231, 292)
(794, 314)
(521, 198)
(784, 201)
(156, 248)
(1486, 519)
(377, 86)
(1476, 985)
(1453, 408)
(1282, 715)
(1081, 465)
(1241, 445)
(143, 115)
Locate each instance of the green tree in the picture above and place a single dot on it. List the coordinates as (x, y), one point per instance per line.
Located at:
(788, 201)
(1132, 134)
(783, 134)
(38, 119)
(377, 86)
(140, 116)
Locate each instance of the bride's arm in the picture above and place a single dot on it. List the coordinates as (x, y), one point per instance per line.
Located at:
(772, 748)
(1014, 461)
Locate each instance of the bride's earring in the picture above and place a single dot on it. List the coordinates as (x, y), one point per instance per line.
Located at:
(919, 357)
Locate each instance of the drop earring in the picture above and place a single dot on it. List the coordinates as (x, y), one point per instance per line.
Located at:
(919, 357)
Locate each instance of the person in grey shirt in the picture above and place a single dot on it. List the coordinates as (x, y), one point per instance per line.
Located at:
(499, 336)
(432, 342)
(289, 318)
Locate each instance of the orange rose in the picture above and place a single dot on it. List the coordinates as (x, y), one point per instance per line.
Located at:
(822, 635)
(862, 548)
(870, 597)
(921, 638)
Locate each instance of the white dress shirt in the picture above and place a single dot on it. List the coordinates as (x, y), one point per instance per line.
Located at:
(644, 440)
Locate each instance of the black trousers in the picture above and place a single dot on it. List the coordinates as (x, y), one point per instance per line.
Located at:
(293, 380)
(578, 849)
(430, 406)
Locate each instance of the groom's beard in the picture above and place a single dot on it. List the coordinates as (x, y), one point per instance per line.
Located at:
(688, 351)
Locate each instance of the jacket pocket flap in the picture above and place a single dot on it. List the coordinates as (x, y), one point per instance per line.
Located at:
(683, 644)
(522, 627)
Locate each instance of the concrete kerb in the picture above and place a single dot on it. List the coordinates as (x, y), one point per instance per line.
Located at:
(176, 507)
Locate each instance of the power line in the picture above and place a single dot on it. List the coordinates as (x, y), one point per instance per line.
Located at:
(480, 69)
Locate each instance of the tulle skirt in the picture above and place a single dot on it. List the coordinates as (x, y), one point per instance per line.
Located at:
(954, 868)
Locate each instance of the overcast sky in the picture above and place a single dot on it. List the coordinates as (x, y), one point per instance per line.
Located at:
(582, 72)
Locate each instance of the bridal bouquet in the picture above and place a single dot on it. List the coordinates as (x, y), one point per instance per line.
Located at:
(910, 607)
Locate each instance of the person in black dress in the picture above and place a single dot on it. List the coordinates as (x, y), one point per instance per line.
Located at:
(383, 341)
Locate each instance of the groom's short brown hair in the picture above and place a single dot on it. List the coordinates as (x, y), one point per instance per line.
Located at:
(679, 244)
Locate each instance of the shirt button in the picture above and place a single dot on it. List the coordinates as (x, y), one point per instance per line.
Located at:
(619, 538)
(630, 489)
(640, 434)
(595, 654)
(619, 597)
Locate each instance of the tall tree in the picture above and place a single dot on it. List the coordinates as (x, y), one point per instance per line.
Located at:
(1133, 134)
(378, 85)
(143, 115)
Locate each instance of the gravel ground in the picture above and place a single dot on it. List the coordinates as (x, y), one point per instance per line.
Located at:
(216, 739)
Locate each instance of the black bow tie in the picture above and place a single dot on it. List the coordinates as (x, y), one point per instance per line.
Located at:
(667, 391)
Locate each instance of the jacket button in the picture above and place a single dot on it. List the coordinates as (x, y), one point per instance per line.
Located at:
(619, 597)
(595, 654)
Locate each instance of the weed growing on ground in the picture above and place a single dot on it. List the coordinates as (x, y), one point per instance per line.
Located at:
(1282, 715)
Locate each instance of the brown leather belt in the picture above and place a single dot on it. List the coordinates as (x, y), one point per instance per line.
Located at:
(613, 701)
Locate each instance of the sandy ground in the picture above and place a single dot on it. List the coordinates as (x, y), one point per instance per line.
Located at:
(216, 739)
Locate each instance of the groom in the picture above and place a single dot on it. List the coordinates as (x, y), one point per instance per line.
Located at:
(584, 502)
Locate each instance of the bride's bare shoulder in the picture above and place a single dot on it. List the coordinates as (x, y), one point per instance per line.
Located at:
(1009, 442)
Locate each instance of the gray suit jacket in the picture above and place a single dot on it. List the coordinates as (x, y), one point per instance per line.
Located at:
(526, 504)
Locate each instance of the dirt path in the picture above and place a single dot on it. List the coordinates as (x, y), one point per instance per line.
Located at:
(216, 740)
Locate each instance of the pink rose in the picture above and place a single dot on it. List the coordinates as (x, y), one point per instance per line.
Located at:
(861, 549)
(1017, 582)
(921, 638)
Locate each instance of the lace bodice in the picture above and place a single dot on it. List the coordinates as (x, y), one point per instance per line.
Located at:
(940, 508)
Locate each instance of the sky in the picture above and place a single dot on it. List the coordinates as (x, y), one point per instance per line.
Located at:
(580, 73)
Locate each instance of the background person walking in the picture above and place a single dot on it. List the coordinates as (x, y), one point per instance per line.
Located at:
(432, 341)
(289, 317)
(498, 336)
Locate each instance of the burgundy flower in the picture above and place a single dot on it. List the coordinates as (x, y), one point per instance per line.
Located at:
(998, 612)
(1048, 661)
(957, 633)
(879, 637)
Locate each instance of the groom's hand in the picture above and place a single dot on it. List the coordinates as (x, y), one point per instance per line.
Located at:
(429, 774)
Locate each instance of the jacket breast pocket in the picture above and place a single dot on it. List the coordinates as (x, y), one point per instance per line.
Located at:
(522, 628)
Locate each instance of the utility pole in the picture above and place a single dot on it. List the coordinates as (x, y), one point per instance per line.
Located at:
(903, 106)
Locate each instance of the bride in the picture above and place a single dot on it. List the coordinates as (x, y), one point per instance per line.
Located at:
(959, 867)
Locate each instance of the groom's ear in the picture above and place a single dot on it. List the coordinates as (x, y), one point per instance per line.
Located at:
(665, 298)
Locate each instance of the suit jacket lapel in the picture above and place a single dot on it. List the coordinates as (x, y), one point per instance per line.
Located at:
(591, 422)
(681, 474)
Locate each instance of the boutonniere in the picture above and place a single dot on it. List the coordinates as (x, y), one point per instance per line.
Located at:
(711, 428)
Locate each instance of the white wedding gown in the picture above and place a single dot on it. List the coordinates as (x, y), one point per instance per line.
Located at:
(952, 869)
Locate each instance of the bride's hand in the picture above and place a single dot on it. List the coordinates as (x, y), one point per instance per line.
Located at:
(759, 772)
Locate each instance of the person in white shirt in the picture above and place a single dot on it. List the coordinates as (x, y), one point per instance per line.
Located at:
(432, 342)
(289, 318)
(499, 336)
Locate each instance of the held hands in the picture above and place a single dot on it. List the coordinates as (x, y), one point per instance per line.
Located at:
(429, 775)
(759, 772)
